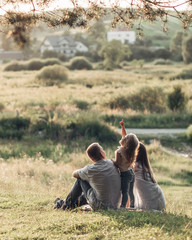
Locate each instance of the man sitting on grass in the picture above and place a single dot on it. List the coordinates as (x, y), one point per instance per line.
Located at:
(97, 184)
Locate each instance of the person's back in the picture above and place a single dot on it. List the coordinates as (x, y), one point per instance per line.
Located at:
(148, 194)
(104, 179)
(97, 184)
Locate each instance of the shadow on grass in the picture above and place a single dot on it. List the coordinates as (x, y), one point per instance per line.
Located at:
(169, 223)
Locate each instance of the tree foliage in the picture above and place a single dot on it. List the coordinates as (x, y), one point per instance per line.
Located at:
(187, 49)
(177, 99)
(114, 52)
(128, 12)
(176, 45)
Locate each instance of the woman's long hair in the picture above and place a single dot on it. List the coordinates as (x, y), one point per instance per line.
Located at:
(130, 143)
(143, 159)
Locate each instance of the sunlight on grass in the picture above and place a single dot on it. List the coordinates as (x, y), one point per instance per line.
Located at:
(37, 168)
(30, 185)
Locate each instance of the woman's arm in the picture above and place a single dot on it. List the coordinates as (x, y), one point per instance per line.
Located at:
(117, 160)
(123, 128)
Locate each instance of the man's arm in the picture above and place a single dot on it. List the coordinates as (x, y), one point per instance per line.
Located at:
(75, 174)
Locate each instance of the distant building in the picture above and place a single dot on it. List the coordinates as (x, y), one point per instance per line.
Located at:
(63, 44)
(10, 55)
(123, 35)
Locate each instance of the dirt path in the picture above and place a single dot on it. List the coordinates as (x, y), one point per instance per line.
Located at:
(156, 131)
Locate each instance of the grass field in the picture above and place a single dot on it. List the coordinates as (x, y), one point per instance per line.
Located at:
(37, 169)
(30, 185)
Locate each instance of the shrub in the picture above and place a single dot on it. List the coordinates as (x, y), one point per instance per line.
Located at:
(49, 129)
(162, 53)
(139, 63)
(94, 129)
(52, 75)
(185, 74)
(99, 66)
(1, 107)
(147, 98)
(153, 120)
(187, 49)
(162, 62)
(141, 53)
(189, 133)
(51, 61)
(13, 127)
(80, 63)
(31, 65)
(15, 66)
(83, 105)
(89, 85)
(177, 99)
(34, 64)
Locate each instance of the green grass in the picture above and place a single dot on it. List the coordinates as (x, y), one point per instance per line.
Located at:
(37, 168)
(30, 185)
(166, 120)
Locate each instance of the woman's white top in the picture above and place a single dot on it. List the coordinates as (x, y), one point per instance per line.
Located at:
(148, 195)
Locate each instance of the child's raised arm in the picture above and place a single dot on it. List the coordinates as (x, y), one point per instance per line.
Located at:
(123, 128)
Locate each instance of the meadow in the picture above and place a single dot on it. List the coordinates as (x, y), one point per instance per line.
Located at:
(36, 167)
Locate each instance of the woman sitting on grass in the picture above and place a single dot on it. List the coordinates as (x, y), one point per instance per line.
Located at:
(147, 193)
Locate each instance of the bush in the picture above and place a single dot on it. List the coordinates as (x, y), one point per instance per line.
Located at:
(51, 61)
(141, 53)
(13, 127)
(162, 62)
(48, 129)
(150, 99)
(93, 129)
(162, 53)
(1, 107)
(185, 74)
(177, 99)
(15, 66)
(52, 75)
(99, 66)
(34, 64)
(124, 64)
(31, 65)
(187, 49)
(83, 105)
(80, 63)
(153, 120)
(189, 133)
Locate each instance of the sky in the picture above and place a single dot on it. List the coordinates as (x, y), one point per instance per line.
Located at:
(84, 3)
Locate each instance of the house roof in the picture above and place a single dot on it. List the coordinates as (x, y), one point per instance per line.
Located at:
(56, 40)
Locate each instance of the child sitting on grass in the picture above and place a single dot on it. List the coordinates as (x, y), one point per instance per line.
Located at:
(125, 157)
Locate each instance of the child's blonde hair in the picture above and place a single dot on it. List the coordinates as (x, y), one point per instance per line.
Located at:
(131, 144)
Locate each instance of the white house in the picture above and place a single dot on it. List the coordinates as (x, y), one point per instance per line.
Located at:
(63, 44)
(124, 36)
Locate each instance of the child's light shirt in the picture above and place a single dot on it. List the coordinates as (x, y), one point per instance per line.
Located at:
(121, 159)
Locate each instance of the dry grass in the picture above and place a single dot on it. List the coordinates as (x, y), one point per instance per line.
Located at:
(28, 187)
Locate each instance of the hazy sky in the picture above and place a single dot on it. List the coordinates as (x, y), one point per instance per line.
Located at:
(84, 3)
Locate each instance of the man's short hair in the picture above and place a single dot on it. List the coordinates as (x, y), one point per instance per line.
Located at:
(94, 152)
